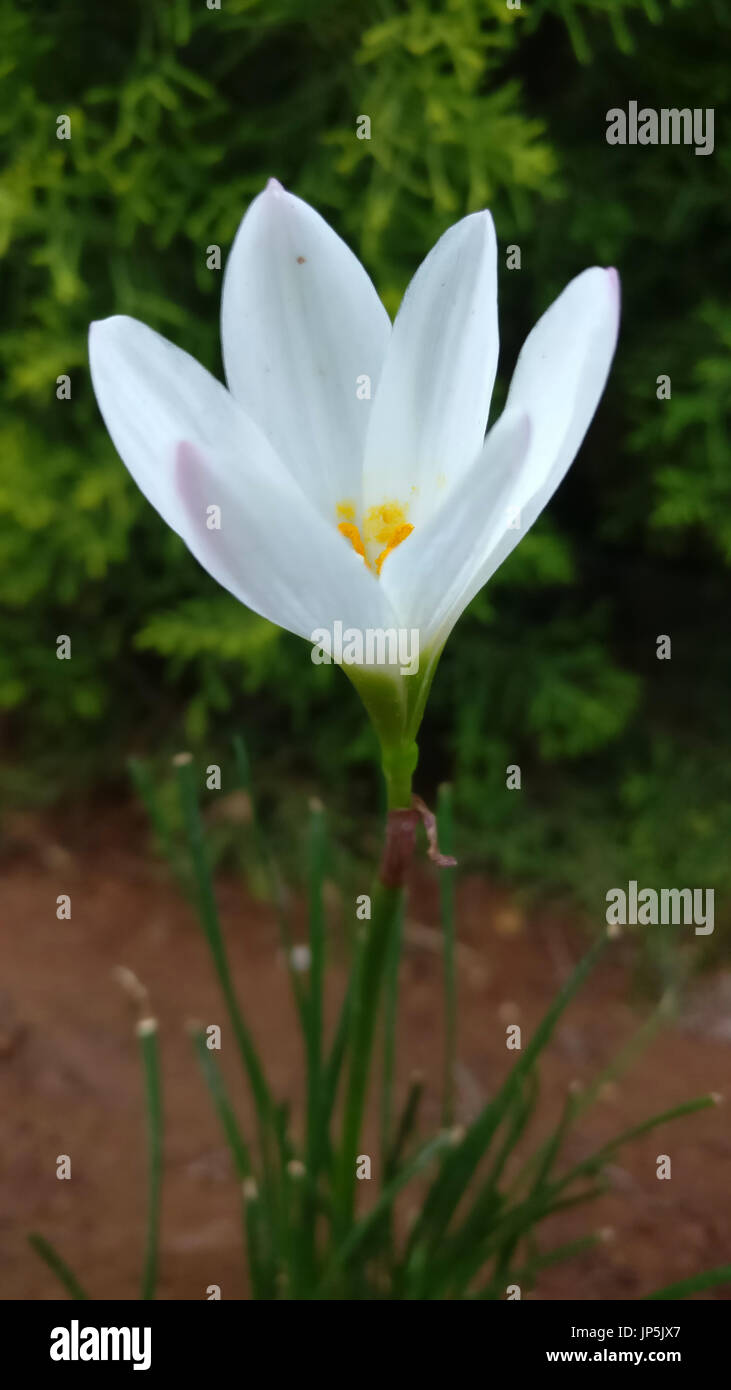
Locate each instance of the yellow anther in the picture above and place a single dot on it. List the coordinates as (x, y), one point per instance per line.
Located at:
(399, 536)
(351, 532)
(384, 527)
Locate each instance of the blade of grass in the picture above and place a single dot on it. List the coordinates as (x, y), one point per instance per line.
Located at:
(258, 1234)
(335, 1061)
(244, 780)
(313, 1037)
(257, 1256)
(446, 900)
(521, 1115)
(405, 1127)
(520, 1221)
(710, 1279)
(547, 1157)
(208, 915)
(584, 1099)
(363, 1010)
(316, 1141)
(147, 1034)
(390, 1012)
(541, 1202)
(547, 1154)
(57, 1265)
(596, 1161)
(556, 1256)
(625, 1057)
(449, 1186)
(273, 1158)
(360, 1231)
(222, 1105)
(465, 1249)
(526, 1275)
(148, 795)
(299, 1198)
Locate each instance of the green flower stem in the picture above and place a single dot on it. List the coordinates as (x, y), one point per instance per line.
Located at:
(399, 764)
(399, 759)
(147, 1034)
(395, 705)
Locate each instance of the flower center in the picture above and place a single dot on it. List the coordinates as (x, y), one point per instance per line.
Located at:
(383, 528)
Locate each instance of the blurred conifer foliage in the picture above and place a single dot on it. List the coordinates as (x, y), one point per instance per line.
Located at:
(178, 114)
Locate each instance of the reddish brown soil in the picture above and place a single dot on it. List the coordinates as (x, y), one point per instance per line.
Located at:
(70, 1079)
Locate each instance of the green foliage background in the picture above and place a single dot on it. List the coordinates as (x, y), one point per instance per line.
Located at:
(179, 114)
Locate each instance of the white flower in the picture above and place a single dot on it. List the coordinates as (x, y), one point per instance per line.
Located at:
(348, 458)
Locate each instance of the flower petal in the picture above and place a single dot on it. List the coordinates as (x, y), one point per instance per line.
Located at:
(558, 381)
(430, 573)
(190, 447)
(301, 323)
(150, 393)
(430, 412)
(562, 370)
(274, 551)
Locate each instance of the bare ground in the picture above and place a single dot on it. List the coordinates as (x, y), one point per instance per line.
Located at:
(70, 1080)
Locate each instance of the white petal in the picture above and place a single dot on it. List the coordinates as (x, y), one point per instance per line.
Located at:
(429, 574)
(558, 381)
(430, 412)
(190, 447)
(562, 370)
(301, 323)
(274, 551)
(150, 393)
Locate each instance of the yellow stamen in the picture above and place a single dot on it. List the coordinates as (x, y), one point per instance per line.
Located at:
(351, 532)
(384, 527)
(399, 536)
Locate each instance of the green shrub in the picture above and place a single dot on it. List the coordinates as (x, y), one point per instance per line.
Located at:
(178, 115)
